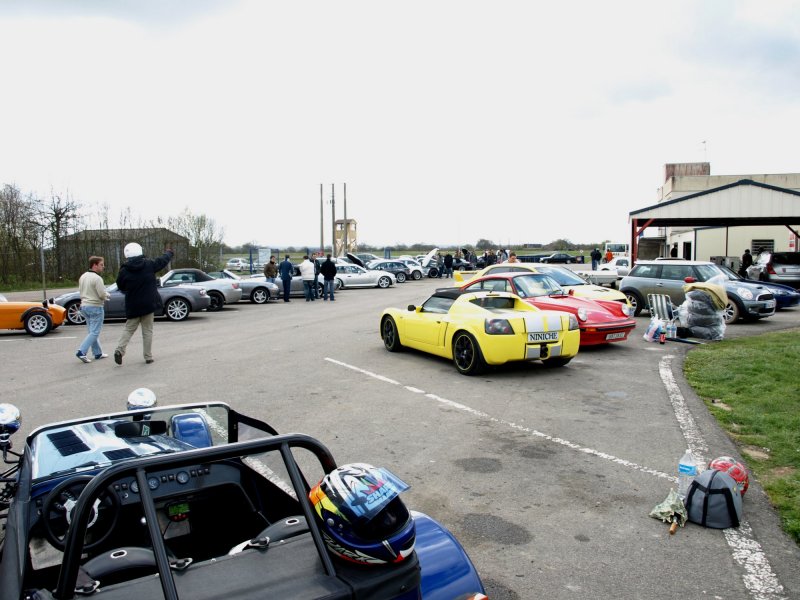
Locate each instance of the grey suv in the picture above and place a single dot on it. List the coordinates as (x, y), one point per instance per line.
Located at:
(746, 299)
(780, 267)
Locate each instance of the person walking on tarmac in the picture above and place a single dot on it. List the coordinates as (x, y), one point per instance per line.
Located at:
(137, 280)
(328, 271)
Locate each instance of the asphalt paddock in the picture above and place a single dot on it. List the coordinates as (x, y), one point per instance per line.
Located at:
(545, 476)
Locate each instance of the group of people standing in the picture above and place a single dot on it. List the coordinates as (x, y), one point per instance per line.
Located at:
(310, 270)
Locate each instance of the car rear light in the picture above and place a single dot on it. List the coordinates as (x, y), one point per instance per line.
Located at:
(203, 292)
(498, 327)
(235, 286)
(771, 269)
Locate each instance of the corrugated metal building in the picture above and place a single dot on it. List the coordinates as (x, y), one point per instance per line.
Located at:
(709, 216)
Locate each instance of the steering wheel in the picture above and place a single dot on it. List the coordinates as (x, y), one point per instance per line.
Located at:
(59, 505)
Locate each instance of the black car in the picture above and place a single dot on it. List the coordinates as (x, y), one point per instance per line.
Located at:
(561, 258)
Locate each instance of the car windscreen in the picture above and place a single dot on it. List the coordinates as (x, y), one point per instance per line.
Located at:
(533, 285)
(706, 272)
(563, 276)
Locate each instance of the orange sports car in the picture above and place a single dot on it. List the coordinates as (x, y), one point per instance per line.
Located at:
(37, 318)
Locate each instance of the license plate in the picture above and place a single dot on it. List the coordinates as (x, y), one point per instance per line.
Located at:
(548, 336)
(615, 336)
(770, 303)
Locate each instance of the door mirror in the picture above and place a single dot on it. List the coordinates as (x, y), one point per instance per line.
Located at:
(689, 280)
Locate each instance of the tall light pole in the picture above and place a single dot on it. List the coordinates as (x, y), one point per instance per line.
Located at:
(333, 221)
(345, 246)
(321, 238)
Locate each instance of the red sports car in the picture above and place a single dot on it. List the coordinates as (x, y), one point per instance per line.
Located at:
(600, 321)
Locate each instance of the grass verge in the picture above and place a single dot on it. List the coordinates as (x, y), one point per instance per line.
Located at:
(752, 387)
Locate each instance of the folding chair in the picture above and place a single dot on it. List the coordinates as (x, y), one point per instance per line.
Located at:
(660, 306)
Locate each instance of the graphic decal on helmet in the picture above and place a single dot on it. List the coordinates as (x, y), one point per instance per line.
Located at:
(361, 516)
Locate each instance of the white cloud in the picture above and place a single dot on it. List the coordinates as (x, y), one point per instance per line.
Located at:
(449, 121)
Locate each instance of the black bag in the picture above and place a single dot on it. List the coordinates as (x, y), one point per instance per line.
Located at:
(714, 500)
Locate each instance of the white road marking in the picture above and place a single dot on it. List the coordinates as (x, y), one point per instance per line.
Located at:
(528, 430)
(759, 578)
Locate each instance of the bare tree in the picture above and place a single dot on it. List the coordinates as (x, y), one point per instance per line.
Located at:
(202, 233)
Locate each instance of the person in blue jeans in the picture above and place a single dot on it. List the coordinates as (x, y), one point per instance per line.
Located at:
(93, 294)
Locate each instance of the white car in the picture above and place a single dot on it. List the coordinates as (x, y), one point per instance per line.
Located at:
(620, 264)
(239, 264)
(221, 291)
(417, 272)
(354, 276)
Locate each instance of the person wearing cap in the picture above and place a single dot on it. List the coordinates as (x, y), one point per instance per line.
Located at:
(137, 280)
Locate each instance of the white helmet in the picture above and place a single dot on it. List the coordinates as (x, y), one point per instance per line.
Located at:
(141, 398)
(133, 250)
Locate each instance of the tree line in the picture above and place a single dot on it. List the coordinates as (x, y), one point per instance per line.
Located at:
(51, 237)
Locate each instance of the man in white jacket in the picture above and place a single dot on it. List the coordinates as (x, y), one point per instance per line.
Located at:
(307, 273)
(93, 296)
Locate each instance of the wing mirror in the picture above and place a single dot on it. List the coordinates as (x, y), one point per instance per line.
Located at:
(689, 280)
(411, 308)
(571, 292)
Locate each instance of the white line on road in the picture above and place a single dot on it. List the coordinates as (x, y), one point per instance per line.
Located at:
(759, 578)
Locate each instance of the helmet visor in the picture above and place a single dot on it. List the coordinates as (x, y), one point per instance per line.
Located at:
(364, 491)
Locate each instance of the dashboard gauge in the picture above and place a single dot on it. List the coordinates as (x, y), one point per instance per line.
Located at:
(153, 483)
(182, 477)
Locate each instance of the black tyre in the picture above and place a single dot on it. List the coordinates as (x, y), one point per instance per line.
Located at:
(384, 282)
(467, 355)
(433, 272)
(38, 323)
(74, 314)
(401, 277)
(732, 311)
(259, 295)
(320, 289)
(391, 338)
(636, 302)
(177, 309)
(217, 301)
(416, 275)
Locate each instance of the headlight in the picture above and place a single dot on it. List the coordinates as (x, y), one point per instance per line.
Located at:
(498, 327)
(627, 310)
(573, 322)
(744, 293)
(582, 313)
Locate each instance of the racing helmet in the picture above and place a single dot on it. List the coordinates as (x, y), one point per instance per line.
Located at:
(141, 398)
(361, 515)
(133, 250)
(734, 468)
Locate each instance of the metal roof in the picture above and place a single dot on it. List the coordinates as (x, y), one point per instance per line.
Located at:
(745, 202)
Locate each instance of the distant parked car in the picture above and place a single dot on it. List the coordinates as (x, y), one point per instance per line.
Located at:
(398, 268)
(238, 264)
(620, 264)
(417, 272)
(746, 299)
(354, 276)
(257, 290)
(177, 301)
(779, 267)
(559, 258)
(221, 291)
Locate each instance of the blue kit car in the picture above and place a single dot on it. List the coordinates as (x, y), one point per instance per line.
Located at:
(200, 501)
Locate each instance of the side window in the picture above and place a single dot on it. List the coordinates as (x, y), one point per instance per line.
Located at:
(438, 305)
(675, 272)
(646, 271)
(475, 287)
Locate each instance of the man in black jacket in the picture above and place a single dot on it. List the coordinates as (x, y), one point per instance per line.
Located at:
(328, 271)
(137, 280)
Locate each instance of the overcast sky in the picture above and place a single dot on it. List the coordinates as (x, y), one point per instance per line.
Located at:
(449, 121)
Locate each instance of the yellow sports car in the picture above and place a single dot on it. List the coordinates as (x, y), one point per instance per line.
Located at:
(37, 318)
(476, 329)
(567, 279)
